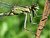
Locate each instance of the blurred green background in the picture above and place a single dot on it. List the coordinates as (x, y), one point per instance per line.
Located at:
(12, 26)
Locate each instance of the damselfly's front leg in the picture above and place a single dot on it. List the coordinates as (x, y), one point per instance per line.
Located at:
(25, 21)
(35, 13)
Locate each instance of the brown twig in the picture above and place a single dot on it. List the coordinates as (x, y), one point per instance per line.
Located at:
(44, 18)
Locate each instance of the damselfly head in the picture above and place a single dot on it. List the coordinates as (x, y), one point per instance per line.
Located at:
(34, 7)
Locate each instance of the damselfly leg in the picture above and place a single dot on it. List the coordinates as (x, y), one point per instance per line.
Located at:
(31, 18)
(25, 21)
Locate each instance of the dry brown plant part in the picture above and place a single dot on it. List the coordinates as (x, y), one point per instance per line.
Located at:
(44, 19)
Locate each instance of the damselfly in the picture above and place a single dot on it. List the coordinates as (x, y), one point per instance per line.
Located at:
(23, 10)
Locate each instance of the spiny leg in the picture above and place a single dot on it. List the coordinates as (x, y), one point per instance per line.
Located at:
(25, 21)
(35, 13)
(31, 18)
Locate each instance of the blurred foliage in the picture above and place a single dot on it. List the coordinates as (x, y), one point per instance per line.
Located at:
(12, 26)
